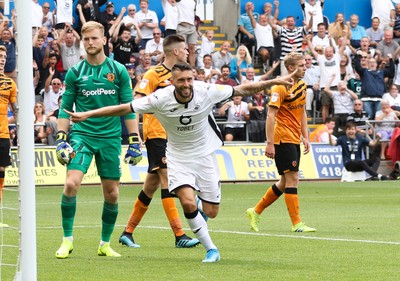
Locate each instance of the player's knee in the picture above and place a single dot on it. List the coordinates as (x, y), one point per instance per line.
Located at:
(211, 210)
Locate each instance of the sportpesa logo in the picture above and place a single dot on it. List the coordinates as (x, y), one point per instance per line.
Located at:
(98, 92)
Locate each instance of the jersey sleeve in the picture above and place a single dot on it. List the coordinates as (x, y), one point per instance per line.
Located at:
(277, 96)
(148, 84)
(219, 93)
(69, 95)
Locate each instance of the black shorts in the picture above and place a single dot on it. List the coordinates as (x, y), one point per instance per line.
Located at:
(287, 157)
(237, 133)
(156, 154)
(5, 153)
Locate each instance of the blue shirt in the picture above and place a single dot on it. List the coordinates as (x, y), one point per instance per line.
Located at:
(352, 148)
(358, 32)
(245, 21)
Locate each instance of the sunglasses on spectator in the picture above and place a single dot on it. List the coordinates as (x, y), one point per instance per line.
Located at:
(46, 7)
(56, 83)
(156, 33)
(132, 10)
(358, 104)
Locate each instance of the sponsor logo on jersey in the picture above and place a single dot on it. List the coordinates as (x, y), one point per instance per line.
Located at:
(85, 78)
(98, 92)
(294, 163)
(111, 77)
(173, 110)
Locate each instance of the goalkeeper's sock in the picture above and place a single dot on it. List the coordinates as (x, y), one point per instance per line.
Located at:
(2, 175)
(292, 204)
(170, 209)
(272, 194)
(139, 209)
(68, 210)
(109, 217)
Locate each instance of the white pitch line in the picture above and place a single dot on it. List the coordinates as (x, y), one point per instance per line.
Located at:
(252, 233)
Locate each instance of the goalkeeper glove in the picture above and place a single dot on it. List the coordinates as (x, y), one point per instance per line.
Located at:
(133, 154)
(64, 151)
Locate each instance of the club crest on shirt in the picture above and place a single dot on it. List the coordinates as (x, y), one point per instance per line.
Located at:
(143, 83)
(110, 77)
(294, 163)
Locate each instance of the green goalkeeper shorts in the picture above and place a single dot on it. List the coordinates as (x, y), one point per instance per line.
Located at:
(106, 152)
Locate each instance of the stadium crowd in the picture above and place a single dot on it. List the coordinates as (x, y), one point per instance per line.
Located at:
(351, 74)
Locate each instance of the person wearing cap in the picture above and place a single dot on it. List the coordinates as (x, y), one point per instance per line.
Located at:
(108, 15)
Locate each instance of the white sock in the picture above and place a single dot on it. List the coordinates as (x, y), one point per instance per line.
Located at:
(199, 227)
(103, 242)
(70, 238)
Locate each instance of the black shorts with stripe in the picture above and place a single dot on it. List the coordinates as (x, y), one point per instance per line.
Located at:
(287, 157)
(156, 154)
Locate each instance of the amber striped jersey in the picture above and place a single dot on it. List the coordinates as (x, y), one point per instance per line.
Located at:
(8, 95)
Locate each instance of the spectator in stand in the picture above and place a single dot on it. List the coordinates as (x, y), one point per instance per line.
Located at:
(147, 20)
(342, 103)
(207, 46)
(154, 47)
(264, 39)
(373, 82)
(124, 45)
(69, 47)
(268, 11)
(352, 150)
(144, 65)
(171, 17)
(357, 31)
(52, 91)
(329, 64)
(246, 31)
(223, 56)
(311, 78)
(240, 63)
(384, 10)
(321, 38)
(47, 20)
(187, 27)
(396, 27)
(321, 133)
(7, 40)
(393, 97)
(212, 74)
(386, 125)
(314, 7)
(387, 45)
(200, 74)
(131, 71)
(291, 38)
(365, 47)
(63, 14)
(90, 11)
(257, 104)
(224, 79)
(250, 76)
(338, 28)
(360, 118)
(37, 16)
(346, 71)
(236, 110)
(129, 20)
(374, 33)
(109, 16)
(40, 122)
(45, 72)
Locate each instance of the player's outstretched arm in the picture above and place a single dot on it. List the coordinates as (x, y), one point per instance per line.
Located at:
(115, 110)
(252, 88)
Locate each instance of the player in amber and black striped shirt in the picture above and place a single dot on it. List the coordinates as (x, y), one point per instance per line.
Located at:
(8, 96)
(286, 129)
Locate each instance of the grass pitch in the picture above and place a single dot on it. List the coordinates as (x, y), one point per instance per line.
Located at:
(357, 237)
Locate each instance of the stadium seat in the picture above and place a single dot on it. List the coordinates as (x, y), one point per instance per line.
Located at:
(352, 176)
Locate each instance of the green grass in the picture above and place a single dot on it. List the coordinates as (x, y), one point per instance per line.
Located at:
(357, 237)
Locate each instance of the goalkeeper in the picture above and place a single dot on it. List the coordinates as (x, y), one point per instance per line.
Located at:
(93, 83)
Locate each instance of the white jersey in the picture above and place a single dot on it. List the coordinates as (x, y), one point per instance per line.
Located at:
(191, 128)
(186, 11)
(264, 36)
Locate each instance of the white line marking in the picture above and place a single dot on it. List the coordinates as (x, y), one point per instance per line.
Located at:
(249, 233)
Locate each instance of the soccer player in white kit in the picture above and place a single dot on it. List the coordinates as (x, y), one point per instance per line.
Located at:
(185, 111)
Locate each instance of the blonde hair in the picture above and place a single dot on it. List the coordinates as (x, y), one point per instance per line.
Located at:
(3, 48)
(92, 25)
(248, 57)
(292, 59)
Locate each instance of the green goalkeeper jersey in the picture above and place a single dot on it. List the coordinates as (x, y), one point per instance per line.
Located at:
(90, 87)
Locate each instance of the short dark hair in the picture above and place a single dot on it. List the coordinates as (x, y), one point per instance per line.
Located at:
(172, 39)
(328, 119)
(225, 66)
(321, 23)
(207, 55)
(183, 66)
(350, 124)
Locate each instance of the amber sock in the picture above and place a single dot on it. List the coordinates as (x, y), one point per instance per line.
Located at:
(2, 174)
(272, 194)
(139, 209)
(292, 204)
(168, 202)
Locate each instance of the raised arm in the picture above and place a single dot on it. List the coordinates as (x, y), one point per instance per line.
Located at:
(115, 110)
(252, 88)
